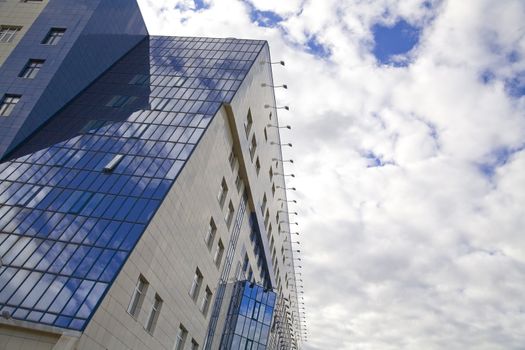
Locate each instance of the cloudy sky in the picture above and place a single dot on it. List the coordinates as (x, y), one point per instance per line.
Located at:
(408, 124)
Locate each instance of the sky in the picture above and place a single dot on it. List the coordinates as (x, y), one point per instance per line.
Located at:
(408, 132)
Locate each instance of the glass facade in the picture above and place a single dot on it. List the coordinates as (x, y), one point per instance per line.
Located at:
(249, 318)
(70, 214)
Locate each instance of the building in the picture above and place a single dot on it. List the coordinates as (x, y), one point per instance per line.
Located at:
(142, 195)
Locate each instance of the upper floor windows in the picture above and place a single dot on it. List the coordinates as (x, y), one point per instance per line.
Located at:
(138, 297)
(248, 123)
(206, 300)
(223, 192)
(153, 315)
(232, 159)
(31, 69)
(8, 103)
(219, 252)
(8, 33)
(229, 214)
(196, 284)
(120, 101)
(253, 146)
(182, 333)
(139, 79)
(54, 36)
(210, 234)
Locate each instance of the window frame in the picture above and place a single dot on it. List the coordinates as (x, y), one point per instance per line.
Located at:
(153, 316)
(180, 338)
(29, 71)
(138, 296)
(8, 103)
(196, 285)
(9, 32)
(54, 36)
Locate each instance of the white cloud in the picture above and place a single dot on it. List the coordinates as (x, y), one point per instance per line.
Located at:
(425, 251)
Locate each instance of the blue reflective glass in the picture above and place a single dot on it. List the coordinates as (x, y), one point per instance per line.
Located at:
(61, 214)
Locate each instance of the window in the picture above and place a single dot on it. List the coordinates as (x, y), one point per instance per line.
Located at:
(232, 159)
(238, 182)
(154, 314)
(206, 299)
(8, 103)
(53, 36)
(92, 126)
(139, 79)
(229, 214)
(270, 172)
(31, 69)
(248, 123)
(194, 345)
(265, 135)
(273, 190)
(266, 218)
(8, 33)
(217, 259)
(196, 284)
(253, 146)
(223, 192)
(138, 296)
(118, 101)
(245, 265)
(182, 333)
(210, 234)
(81, 203)
(113, 163)
(257, 165)
(264, 202)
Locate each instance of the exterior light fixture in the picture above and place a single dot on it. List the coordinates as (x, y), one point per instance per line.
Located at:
(276, 107)
(281, 144)
(279, 127)
(284, 86)
(287, 188)
(282, 160)
(292, 175)
(288, 212)
(277, 62)
(284, 200)
(291, 223)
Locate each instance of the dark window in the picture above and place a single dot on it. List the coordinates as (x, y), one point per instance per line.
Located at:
(182, 333)
(210, 234)
(8, 33)
(223, 192)
(196, 284)
(8, 103)
(53, 36)
(119, 101)
(206, 299)
(154, 314)
(31, 69)
(138, 297)
(139, 79)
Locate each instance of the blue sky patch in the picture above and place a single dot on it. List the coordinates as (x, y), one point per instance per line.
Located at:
(267, 19)
(201, 5)
(391, 43)
(498, 158)
(516, 87)
(374, 160)
(316, 48)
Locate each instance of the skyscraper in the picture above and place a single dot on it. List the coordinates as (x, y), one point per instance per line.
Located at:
(142, 195)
